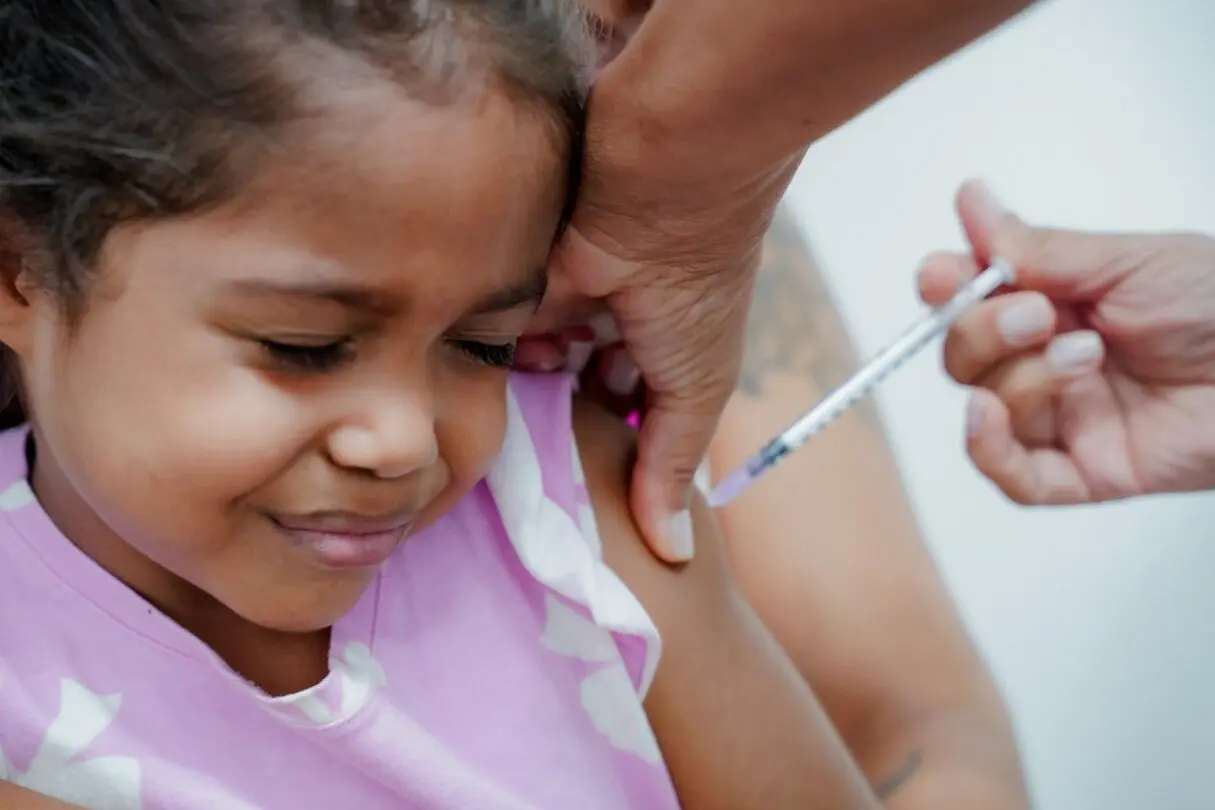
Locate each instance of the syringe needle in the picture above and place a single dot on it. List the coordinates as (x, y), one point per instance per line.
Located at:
(862, 382)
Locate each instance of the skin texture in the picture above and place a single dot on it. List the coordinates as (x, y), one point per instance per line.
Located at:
(1093, 377)
(169, 439)
(773, 81)
(827, 550)
(737, 725)
(230, 435)
(699, 119)
(693, 134)
(170, 442)
(769, 743)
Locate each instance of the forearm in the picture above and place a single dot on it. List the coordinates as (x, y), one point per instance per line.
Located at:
(717, 88)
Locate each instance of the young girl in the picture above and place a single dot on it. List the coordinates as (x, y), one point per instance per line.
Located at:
(280, 532)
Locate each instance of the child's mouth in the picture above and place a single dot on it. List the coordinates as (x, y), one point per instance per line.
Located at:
(346, 540)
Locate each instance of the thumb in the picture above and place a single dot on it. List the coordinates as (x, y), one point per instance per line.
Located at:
(674, 440)
(1065, 265)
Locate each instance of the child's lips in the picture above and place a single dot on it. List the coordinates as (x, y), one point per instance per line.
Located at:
(346, 540)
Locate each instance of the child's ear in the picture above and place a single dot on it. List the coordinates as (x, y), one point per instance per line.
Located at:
(17, 284)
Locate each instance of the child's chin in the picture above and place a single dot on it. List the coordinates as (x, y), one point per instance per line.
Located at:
(306, 610)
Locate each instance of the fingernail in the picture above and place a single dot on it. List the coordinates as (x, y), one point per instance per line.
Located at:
(604, 326)
(974, 416)
(679, 536)
(622, 375)
(703, 479)
(1021, 322)
(1075, 351)
(577, 355)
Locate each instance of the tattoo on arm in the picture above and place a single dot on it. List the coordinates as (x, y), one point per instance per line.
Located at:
(793, 328)
(890, 785)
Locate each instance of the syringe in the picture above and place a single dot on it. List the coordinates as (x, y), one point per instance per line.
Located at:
(862, 382)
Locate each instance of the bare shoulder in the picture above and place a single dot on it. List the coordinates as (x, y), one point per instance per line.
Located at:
(608, 447)
(737, 725)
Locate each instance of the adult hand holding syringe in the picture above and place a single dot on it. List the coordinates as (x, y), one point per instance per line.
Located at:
(864, 381)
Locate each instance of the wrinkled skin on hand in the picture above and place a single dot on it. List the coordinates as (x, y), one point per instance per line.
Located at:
(673, 266)
(681, 329)
(1094, 376)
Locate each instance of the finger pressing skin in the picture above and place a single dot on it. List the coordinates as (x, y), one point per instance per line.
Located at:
(1029, 477)
(579, 347)
(670, 451)
(994, 330)
(942, 274)
(618, 373)
(612, 380)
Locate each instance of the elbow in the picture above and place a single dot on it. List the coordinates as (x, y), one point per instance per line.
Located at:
(959, 756)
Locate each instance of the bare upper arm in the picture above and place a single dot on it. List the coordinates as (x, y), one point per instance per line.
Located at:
(826, 546)
(737, 724)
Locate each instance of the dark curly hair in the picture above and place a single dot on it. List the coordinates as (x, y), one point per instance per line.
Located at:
(115, 110)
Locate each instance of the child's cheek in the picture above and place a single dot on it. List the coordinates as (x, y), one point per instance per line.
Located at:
(470, 426)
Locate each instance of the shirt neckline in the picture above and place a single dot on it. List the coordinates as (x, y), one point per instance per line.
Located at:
(62, 559)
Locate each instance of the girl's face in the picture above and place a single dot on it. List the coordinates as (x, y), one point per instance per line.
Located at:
(261, 402)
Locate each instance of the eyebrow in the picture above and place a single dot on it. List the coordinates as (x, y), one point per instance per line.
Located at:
(346, 295)
(527, 291)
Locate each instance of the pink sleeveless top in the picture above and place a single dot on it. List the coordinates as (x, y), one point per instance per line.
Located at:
(494, 664)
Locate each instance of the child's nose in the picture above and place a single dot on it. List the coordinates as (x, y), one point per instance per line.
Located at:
(389, 435)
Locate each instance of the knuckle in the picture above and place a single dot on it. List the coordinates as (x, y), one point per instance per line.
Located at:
(995, 467)
(679, 458)
(1018, 494)
(1192, 244)
(1014, 238)
(1013, 486)
(683, 471)
(962, 354)
(1025, 383)
(951, 357)
(938, 261)
(980, 457)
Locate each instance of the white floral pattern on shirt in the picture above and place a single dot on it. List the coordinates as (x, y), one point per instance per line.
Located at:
(58, 771)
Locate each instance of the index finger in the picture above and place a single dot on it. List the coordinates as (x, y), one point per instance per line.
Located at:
(942, 275)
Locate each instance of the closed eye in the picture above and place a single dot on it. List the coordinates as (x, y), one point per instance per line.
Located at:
(307, 358)
(496, 355)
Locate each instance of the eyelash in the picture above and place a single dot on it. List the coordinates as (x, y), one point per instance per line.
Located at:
(327, 357)
(305, 358)
(495, 355)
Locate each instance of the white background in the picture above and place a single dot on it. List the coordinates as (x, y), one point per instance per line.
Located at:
(1099, 622)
